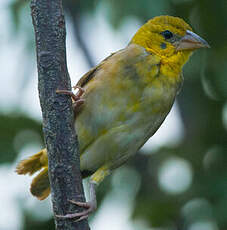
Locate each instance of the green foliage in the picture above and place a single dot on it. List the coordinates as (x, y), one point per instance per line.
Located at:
(11, 126)
(30, 223)
(119, 10)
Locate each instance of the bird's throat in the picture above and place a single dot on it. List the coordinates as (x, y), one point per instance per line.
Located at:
(172, 66)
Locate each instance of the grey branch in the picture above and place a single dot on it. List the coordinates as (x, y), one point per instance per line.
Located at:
(58, 120)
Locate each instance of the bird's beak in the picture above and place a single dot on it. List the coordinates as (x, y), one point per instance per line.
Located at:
(191, 41)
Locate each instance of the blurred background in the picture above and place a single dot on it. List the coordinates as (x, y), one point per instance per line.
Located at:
(178, 181)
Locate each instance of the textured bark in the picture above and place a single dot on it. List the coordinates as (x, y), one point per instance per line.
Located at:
(58, 128)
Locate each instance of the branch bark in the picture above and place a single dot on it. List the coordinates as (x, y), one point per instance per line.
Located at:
(58, 119)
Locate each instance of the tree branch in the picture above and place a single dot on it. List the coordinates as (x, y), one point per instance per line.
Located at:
(58, 121)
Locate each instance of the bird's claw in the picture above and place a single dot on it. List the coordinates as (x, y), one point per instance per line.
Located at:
(90, 207)
(76, 96)
(77, 100)
(80, 90)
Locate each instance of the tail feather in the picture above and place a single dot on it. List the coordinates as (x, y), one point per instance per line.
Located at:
(33, 163)
(40, 186)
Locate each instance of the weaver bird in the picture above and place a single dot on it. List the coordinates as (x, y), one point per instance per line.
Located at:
(126, 98)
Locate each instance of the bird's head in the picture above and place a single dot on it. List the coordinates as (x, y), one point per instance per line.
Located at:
(171, 38)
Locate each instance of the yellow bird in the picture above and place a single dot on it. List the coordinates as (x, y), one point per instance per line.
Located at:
(127, 97)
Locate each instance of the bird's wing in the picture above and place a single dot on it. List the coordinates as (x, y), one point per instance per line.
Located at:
(113, 91)
(91, 73)
(87, 77)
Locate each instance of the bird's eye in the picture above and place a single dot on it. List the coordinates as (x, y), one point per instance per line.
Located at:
(167, 34)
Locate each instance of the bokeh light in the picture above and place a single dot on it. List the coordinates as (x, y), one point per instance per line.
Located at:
(175, 175)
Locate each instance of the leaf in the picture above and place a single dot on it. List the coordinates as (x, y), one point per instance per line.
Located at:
(11, 125)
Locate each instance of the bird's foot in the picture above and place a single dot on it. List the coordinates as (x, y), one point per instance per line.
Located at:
(77, 100)
(76, 96)
(89, 206)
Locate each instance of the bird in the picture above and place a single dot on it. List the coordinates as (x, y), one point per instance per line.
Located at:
(121, 103)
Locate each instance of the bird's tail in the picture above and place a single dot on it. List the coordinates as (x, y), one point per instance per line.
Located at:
(40, 186)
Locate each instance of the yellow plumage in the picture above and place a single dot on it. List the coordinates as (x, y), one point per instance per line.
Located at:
(127, 97)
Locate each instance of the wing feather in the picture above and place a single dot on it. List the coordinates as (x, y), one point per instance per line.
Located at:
(91, 73)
